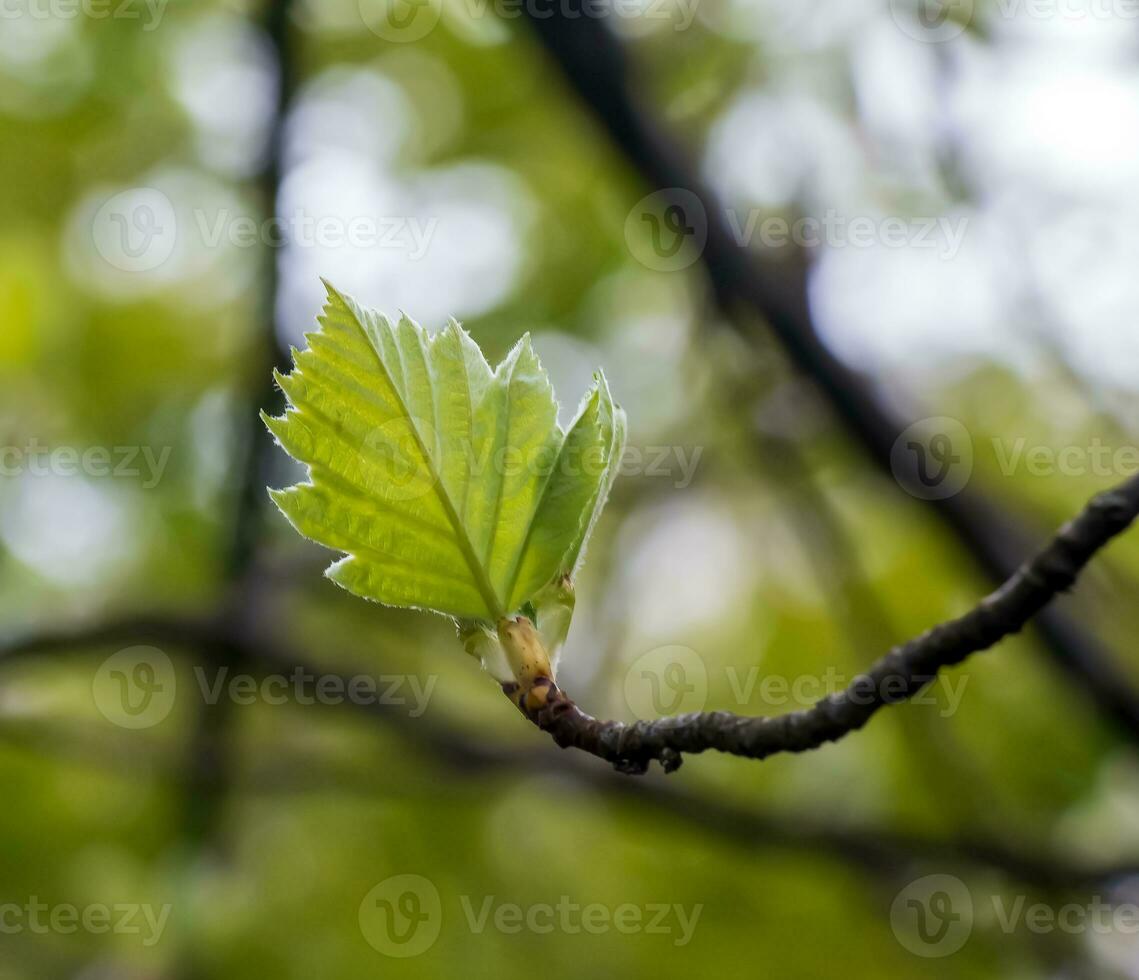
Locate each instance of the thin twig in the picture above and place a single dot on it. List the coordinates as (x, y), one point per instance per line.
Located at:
(896, 677)
(594, 62)
(468, 761)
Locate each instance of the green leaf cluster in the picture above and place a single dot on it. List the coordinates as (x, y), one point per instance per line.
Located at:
(447, 485)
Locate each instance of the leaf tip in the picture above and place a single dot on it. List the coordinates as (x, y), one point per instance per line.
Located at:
(336, 298)
(524, 351)
(404, 322)
(602, 383)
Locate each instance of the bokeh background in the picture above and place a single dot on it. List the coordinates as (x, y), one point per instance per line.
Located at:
(436, 158)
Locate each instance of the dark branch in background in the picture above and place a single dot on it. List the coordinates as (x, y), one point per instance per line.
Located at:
(267, 352)
(594, 62)
(469, 761)
(897, 676)
(208, 774)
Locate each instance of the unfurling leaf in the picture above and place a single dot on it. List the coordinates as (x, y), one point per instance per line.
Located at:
(448, 486)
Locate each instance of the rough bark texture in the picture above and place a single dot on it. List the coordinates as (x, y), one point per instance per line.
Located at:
(897, 676)
(594, 63)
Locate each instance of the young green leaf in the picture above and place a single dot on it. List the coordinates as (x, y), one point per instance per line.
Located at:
(448, 486)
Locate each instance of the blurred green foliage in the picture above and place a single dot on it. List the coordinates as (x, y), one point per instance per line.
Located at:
(322, 804)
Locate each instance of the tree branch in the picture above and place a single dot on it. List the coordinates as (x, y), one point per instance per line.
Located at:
(594, 63)
(896, 677)
(877, 850)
